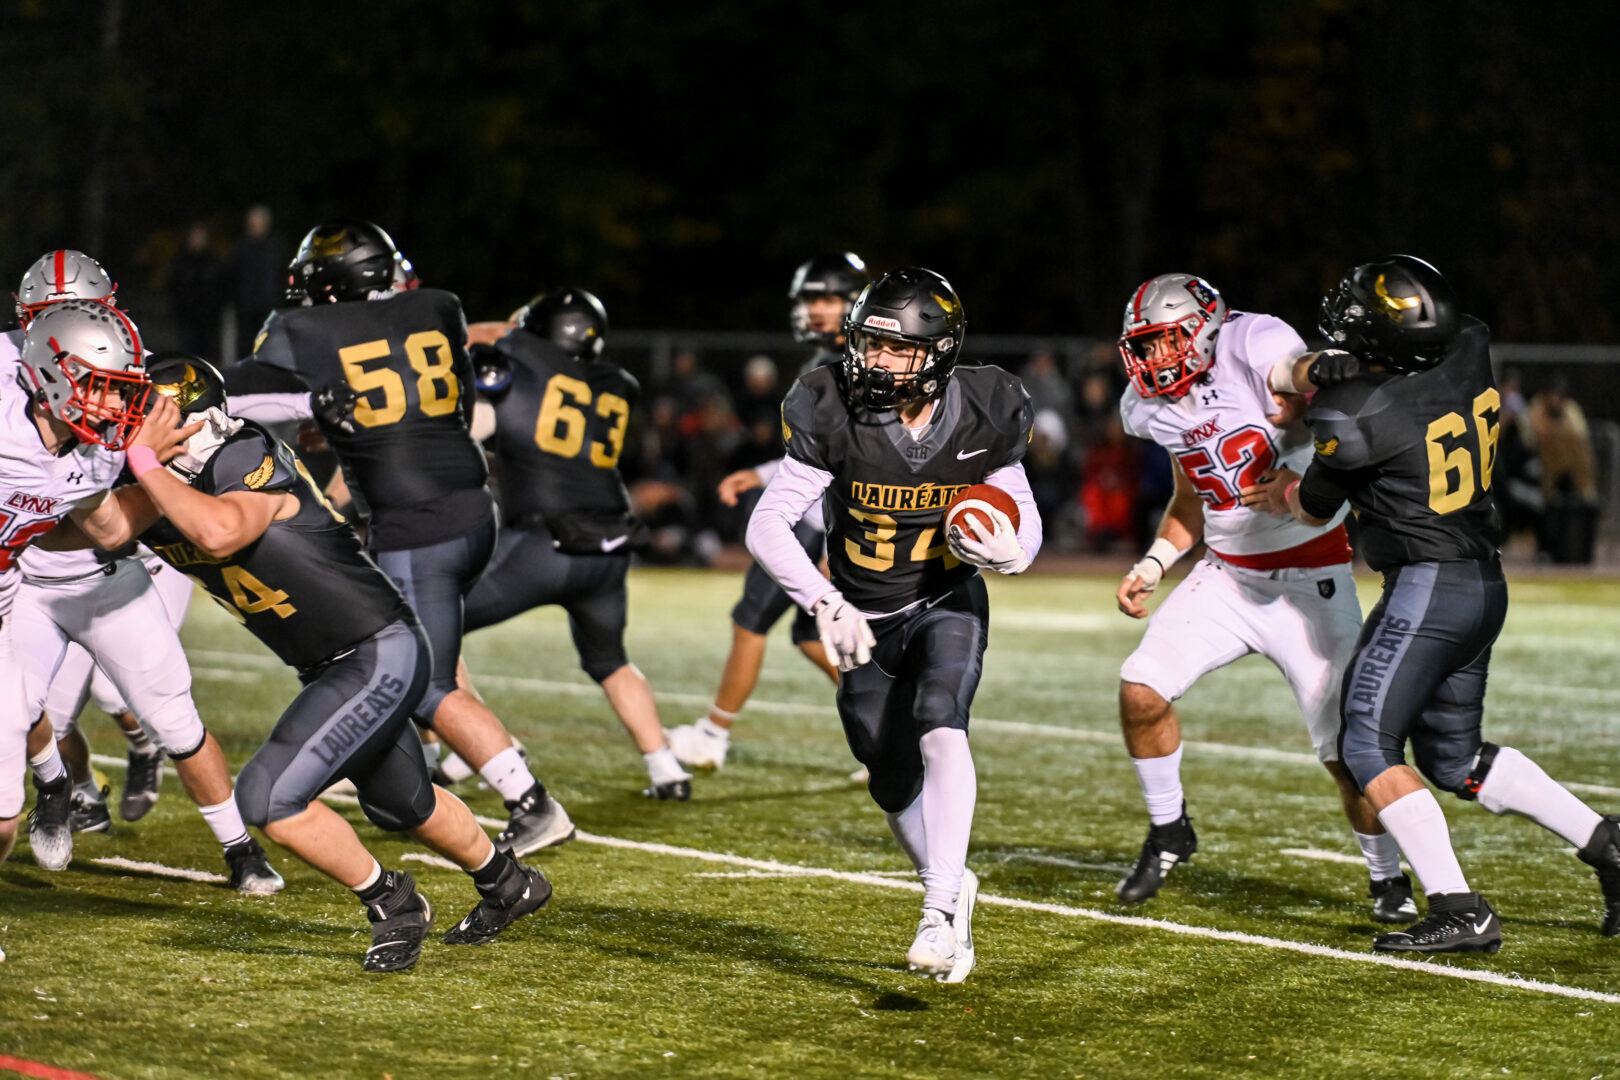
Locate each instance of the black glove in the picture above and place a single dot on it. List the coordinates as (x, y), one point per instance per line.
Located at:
(333, 405)
(491, 369)
(1334, 366)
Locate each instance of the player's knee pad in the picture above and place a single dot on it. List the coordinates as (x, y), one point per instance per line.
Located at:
(892, 786)
(600, 664)
(393, 813)
(175, 727)
(253, 786)
(1459, 768)
(1363, 753)
(1151, 671)
(61, 725)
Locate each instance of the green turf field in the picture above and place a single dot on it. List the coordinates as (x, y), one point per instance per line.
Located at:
(772, 942)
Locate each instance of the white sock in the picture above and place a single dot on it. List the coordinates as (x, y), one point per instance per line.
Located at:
(1382, 853)
(371, 878)
(907, 827)
(949, 790)
(662, 767)
(1419, 827)
(713, 730)
(225, 819)
(508, 774)
(1160, 778)
(140, 742)
(1517, 785)
(48, 765)
(455, 768)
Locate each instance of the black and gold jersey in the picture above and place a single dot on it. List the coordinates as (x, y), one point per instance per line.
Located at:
(559, 431)
(412, 458)
(305, 588)
(1414, 455)
(886, 505)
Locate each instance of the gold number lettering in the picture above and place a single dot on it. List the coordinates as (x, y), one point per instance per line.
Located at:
(881, 538)
(555, 409)
(1444, 496)
(241, 583)
(366, 413)
(606, 455)
(433, 370)
(924, 549)
(1488, 401)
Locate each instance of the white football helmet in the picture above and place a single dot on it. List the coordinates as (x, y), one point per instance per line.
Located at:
(1169, 336)
(84, 360)
(63, 274)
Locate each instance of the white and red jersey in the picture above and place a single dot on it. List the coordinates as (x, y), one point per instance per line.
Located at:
(37, 488)
(1220, 437)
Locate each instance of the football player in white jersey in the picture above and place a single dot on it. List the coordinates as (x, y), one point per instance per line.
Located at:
(66, 413)
(1199, 387)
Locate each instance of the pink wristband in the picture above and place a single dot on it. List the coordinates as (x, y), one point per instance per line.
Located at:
(1288, 492)
(142, 460)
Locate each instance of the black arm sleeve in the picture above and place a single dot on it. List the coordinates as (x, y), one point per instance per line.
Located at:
(1323, 490)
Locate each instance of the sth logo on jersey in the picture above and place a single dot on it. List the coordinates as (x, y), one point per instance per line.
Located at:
(261, 476)
(904, 496)
(1326, 448)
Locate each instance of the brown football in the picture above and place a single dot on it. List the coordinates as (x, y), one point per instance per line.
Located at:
(974, 501)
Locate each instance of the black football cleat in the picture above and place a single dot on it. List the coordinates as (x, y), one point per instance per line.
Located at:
(1457, 922)
(537, 821)
(520, 891)
(90, 813)
(1392, 900)
(399, 925)
(676, 790)
(1167, 845)
(251, 872)
(143, 782)
(1602, 854)
(50, 833)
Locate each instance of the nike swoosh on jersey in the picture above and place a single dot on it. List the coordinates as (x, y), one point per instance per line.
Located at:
(963, 456)
(615, 543)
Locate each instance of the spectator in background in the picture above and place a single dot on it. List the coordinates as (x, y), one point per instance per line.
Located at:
(1048, 390)
(1556, 432)
(761, 395)
(1051, 477)
(196, 287)
(258, 276)
(1108, 482)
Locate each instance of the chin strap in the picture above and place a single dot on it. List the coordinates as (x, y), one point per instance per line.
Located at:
(217, 427)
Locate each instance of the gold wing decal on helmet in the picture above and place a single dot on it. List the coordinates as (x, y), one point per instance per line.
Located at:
(1326, 448)
(1394, 305)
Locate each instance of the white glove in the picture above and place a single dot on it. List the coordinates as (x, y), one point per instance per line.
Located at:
(999, 551)
(844, 631)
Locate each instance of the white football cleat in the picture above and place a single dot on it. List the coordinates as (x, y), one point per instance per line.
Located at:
(701, 744)
(935, 948)
(963, 923)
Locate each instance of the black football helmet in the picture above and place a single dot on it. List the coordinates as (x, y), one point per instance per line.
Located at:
(571, 319)
(191, 382)
(842, 274)
(342, 259)
(913, 306)
(1397, 311)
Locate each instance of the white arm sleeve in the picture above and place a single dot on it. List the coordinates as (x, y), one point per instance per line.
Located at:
(270, 408)
(795, 488)
(767, 471)
(1013, 480)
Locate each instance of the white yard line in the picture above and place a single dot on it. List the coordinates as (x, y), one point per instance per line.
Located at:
(1324, 856)
(162, 871)
(431, 860)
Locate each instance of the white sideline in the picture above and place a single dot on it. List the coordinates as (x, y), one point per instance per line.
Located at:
(161, 871)
(908, 885)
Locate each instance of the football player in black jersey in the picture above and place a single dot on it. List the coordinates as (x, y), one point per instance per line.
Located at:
(383, 368)
(1406, 427)
(885, 440)
(821, 293)
(241, 516)
(558, 413)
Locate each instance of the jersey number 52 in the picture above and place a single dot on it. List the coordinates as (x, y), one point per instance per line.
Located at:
(1238, 461)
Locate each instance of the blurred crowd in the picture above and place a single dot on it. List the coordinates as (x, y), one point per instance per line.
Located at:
(702, 419)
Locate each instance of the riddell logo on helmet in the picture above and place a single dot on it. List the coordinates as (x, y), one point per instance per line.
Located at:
(880, 322)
